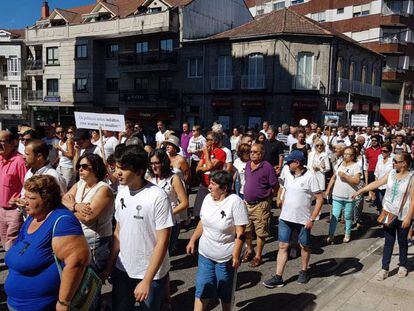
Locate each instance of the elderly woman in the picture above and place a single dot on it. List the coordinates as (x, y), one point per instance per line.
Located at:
(92, 202)
(223, 219)
(33, 282)
(243, 156)
(318, 162)
(178, 163)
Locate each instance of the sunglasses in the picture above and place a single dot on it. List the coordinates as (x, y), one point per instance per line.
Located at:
(319, 145)
(82, 166)
(384, 151)
(397, 162)
(60, 132)
(70, 132)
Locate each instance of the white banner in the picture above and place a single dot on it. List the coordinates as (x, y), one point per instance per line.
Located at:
(94, 121)
(359, 120)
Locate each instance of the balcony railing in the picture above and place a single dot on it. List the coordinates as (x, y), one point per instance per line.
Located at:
(148, 58)
(6, 106)
(253, 82)
(304, 82)
(35, 95)
(148, 97)
(222, 83)
(386, 10)
(34, 64)
(357, 87)
(389, 39)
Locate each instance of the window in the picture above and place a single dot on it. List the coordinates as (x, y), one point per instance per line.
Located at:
(278, 5)
(374, 76)
(361, 10)
(52, 87)
(166, 46)
(255, 70)
(141, 47)
(112, 85)
(112, 50)
(339, 66)
(297, 1)
(352, 71)
(319, 17)
(340, 11)
(14, 95)
(260, 12)
(52, 55)
(141, 84)
(305, 70)
(12, 67)
(224, 66)
(155, 10)
(364, 74)
(195, 67)
(81, 51)
(81, 85)
(166, 83)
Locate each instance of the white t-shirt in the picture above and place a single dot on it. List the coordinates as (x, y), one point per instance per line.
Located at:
(394, 195)
(342, 190)
(139, 215)
(229, 157)
(241, 169)
(46, 170)
(196, 144)
(159, 137)
(234, 142)
(298, 197)
(265, 133)
(219, 221)
(382, 169)
(291, 140)
(110, 145)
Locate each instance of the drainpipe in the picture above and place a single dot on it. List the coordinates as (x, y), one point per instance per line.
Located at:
(204, 110)
(330, 76)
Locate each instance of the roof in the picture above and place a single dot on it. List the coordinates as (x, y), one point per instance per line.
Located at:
(252, 3)
(15, 33)
(284, 21)
(120, 8)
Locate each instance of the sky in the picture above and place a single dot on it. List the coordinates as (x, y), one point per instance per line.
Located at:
(16, 14)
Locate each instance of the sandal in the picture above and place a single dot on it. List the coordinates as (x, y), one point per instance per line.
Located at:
(248, 256)
(255, 262)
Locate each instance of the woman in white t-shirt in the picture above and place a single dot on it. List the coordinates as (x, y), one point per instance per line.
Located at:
(399, 194)
(383, 167)
(345, 183)
(243, 156)
(66, 150)
(223, 219)
(235, 142)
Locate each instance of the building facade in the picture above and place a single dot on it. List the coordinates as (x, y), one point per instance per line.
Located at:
(385, 26)
(280, 67)
(12, 82)
(118, 56)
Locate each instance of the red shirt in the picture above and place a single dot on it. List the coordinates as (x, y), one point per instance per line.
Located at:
(12, 172)
(215, 154)
(372, 155)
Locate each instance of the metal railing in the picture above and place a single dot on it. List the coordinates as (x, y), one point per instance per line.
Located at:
(35, 95)
(7, 106)
(147, 96)
(304, 82)
(357, 87)
(147, 58)
(386, 10)
(222, 83)
(34, 64)
(253, 82)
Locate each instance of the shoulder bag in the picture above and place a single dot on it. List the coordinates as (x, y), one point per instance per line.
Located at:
(386, 218)
(90, 287)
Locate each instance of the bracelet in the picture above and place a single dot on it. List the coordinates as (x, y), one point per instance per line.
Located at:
(64, 303)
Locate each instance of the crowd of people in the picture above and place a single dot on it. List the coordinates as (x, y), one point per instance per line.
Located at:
(117, 204)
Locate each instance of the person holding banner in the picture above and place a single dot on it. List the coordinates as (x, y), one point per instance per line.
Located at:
(223, 219)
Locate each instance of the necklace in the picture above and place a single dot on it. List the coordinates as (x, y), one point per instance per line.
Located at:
(85, 194)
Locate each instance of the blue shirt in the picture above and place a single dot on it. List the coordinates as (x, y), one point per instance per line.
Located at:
(33, 281)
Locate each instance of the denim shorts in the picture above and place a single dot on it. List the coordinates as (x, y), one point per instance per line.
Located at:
(214, 280)
(285, 232)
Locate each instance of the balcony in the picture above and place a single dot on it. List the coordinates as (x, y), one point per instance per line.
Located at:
(34, 67)
(306, 83)
(388, 9)
(222, 83)
(10, 108)
(150, 61)
(34, 96)
(253, 82)
(357, 87)
(149, 98)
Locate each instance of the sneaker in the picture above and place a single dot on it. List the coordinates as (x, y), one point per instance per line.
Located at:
(274, 281)
(410, 242)
(347, 238)
(382, 275)
(330, 239)
(303, 277)
(402, 272)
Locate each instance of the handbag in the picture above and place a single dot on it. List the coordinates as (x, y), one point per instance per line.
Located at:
(387, 218)
(90, 287)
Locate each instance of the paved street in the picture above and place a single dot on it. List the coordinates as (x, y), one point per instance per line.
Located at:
(342, 276)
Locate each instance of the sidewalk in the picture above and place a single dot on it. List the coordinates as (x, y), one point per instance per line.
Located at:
(362, 291)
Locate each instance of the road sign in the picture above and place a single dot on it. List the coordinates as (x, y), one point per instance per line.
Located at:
(349, 106)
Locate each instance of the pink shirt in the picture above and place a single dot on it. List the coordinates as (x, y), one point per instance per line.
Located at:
(12, 172)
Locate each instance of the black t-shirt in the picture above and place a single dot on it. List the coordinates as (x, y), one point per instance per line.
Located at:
(305, 150)
(272, 151)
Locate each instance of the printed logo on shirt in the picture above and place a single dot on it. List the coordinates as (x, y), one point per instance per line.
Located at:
(138, 215)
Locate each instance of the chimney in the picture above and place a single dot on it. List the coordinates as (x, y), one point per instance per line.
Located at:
(45, 10)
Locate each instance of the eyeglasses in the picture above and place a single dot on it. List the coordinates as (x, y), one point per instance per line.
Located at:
(397, 162)
(60, 132)
(82, 166)
(154, 163)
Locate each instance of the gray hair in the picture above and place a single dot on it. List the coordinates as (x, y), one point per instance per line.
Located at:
(217, 128)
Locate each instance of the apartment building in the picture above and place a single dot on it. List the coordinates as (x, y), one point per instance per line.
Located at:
(118, 56)
(12, 84)
(280, 67)
(385, 26)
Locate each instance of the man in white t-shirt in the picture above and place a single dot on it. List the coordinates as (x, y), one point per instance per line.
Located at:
(144, 220)
(265, 128)
(301, 186)
(110, 143)
(160, 135)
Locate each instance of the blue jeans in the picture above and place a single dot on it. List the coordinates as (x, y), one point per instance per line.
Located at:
(214, 280)
(123, 298)
(395, 229)
(337, 207)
